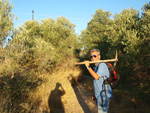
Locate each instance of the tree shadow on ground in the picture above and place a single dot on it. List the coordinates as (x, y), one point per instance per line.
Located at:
(54, 101)
(81, 100)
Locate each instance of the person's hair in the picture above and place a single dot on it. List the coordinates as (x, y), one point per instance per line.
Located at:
(97, 50)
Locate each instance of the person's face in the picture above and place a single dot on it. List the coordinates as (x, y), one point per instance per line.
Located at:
(95, 56)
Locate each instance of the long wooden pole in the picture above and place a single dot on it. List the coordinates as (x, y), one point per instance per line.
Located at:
(109, 60)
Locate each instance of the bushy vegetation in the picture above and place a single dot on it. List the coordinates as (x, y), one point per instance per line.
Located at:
(35, 48)
(39, 49)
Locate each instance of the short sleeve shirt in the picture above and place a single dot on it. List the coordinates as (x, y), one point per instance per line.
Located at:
(102, 70)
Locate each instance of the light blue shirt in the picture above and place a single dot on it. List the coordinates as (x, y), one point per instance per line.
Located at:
(102, 70)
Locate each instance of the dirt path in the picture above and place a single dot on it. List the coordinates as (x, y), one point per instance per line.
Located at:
(78, 99)
(84, 98)
(68, 96)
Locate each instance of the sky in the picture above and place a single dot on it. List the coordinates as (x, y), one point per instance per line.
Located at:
(78, 12)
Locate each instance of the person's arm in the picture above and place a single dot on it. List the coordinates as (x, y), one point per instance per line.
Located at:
(91, 71)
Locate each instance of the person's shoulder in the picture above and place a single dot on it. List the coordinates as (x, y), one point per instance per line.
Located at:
(103, 64)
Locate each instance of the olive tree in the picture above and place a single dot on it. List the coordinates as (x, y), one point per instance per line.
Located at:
(6, 19)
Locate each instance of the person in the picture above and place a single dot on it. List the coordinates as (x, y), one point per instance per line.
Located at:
(102, 93)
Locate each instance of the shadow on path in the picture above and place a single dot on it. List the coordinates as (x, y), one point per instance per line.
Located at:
(81, 100)
(54, 101)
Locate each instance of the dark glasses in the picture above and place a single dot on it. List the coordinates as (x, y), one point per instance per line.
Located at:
(93, 56)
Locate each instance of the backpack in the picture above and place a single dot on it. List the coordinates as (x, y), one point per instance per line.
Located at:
(114, 77)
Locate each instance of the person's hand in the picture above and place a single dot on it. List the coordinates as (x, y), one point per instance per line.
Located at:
(87, 63)
(93, 98)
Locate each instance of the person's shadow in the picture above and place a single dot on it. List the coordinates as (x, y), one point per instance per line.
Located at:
(54, 101)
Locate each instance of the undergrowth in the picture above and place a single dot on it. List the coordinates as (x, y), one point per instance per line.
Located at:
(25, 90)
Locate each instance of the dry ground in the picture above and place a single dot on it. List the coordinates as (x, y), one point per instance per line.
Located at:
(63, 94)
(72, 97)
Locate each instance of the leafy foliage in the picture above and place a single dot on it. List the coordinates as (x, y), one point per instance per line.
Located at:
(144, 34)
(6, 19)
(35, 48)
(96, 32)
